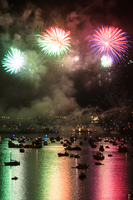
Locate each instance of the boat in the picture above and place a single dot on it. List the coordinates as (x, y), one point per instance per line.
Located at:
(123, 149)
(110, 155)
(45, 142)
(12, 163)
(101, 148)
(82, 166)
(114, 143)
(106, 140)
(98, 163)
(63, 154)
(93, 145)
(14, 178)
(82, 175)
(76, 155)
(22, 150)
(73, 148)
(98, 156)
(37, 143)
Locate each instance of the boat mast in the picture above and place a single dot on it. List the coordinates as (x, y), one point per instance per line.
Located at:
(10, 155)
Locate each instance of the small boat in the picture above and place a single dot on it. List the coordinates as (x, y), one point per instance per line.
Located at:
(82, 166)
(73, 148)
(12, 163)
(98, 156)
(110, 155)
(106, 140)
(93, 145)
(123, 149)
(76, 155)
(14, 178)
(101, 148)
(63, 154)
(45, 142)
(114, 143)
(82, 175)
(22, 150)
(98, 163)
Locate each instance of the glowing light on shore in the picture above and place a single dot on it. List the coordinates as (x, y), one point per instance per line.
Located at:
(13, 61)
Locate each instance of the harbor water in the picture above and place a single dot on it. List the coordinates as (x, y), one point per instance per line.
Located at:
(43, 175)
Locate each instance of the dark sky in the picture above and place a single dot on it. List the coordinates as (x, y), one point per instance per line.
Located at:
(60, 85)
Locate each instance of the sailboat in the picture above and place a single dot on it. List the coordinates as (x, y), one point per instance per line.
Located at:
(12, 162)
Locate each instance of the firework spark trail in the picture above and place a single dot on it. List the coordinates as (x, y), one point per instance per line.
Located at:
(13, 61)
(110, 41)
(55, 41)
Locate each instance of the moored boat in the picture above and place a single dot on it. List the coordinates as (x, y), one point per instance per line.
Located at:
(12, 163)
(98, 163)
(22, 150)
(73, 148)
(82, 175)
(63, 154)
(101, 148)
(82, 166)
(14, 178)
(123, 149)
(98, 156)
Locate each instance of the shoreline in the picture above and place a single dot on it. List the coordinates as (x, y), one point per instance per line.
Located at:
(66, 135)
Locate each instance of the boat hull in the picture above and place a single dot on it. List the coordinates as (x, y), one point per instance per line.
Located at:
(12, 163)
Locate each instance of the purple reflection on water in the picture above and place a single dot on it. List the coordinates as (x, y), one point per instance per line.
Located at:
(111, 180)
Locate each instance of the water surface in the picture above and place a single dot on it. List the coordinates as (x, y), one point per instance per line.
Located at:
(42, 175)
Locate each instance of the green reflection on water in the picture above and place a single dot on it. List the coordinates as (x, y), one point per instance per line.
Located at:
(41, 175)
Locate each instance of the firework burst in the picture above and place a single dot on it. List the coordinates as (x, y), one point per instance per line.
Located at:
(13, 61)
(55, 41)
(110, 41)
(106, 61)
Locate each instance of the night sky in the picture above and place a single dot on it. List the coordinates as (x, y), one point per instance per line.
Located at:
(60, 85)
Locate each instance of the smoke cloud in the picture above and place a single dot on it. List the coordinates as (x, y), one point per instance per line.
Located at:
(50, 86)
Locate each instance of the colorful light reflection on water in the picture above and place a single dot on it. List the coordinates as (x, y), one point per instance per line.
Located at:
(112, 178)
(45, 176)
